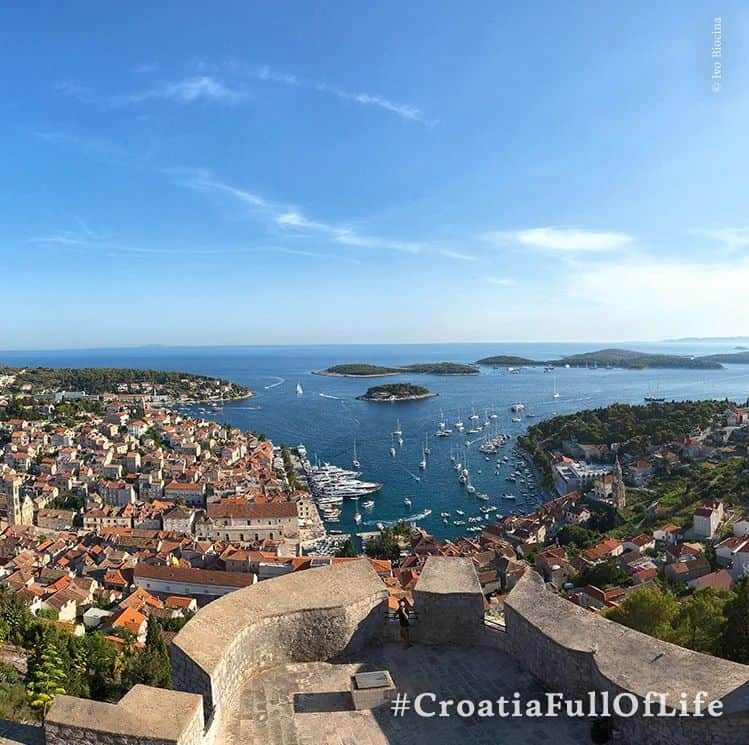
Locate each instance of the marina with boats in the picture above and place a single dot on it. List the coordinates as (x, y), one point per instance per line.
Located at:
(473, 454)
(398, 462)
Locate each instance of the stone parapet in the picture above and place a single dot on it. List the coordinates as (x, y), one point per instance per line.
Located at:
(449, 602)
(574, 651)
(304, 616)
(144, 716)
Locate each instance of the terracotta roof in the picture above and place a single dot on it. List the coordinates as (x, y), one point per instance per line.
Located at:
(194, 576)
(241, 508)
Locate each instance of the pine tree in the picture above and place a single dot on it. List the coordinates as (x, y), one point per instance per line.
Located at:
(151, 665)
(735, 639)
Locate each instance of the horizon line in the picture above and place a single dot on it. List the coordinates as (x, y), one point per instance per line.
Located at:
(136, 347)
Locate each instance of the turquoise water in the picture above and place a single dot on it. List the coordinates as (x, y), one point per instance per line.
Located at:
(328, 418)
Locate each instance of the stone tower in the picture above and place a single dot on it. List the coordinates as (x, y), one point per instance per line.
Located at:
(618, 490)
(20, 509)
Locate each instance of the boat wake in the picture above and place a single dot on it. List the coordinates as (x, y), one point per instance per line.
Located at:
(279, 381)
(408, 519)
(326, 395)
(414, 476)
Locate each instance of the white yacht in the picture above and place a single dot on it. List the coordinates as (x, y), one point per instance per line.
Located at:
(398, 432)
(356, 463)
(299, 389)
(407, 502)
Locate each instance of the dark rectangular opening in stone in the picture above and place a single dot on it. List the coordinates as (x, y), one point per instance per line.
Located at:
(371, 680)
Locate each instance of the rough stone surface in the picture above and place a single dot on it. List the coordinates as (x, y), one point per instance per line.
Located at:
(572, 650)
(144, 716)
(310, 703)
(449, 602)
(312, 615)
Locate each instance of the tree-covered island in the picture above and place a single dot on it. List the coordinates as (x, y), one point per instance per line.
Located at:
(365, 370)
(392, 392)
(622, 358)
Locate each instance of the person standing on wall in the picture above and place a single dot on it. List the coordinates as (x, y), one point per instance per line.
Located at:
(405, 623)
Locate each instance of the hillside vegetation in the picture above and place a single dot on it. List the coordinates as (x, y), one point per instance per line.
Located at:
(635, 427)
(95, 380)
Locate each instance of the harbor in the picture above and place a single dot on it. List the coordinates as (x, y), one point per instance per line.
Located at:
(294, 406)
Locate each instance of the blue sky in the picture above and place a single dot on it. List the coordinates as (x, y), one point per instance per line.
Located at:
(240, 173)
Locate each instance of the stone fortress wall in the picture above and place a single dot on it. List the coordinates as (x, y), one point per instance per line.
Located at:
(572, 650)
(302, 617)
(305, 616)
(322, 613)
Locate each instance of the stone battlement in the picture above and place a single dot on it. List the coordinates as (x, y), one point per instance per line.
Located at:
(304, 616)
(144, 716)
(573, 650)
(336, 612)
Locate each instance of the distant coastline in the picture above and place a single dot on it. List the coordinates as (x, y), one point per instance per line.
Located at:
(621, 358)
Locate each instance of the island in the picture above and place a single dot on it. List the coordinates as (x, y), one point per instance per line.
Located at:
(622, 358)
(69, 383)
(393, 392)
(731, 358)
(365, 370)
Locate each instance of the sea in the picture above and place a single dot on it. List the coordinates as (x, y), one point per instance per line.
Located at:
(329, 419)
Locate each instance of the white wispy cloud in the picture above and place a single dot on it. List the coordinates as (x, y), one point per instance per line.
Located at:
(561, 239)
(92, 244)
(500, 281)
(733, 239)
(457, 255)
(642, 289)
(206, 85)
(188, 90)
(403, 110)
(290, 220)
(274, 76)
(269, 74)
